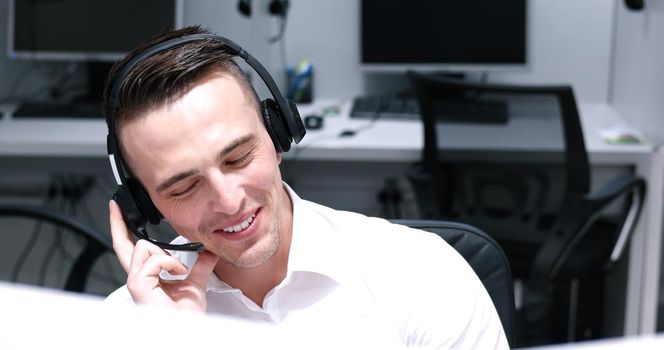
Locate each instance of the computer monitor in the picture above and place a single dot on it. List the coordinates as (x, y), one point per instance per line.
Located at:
(85, 30)
(94, 32)
(443, 35)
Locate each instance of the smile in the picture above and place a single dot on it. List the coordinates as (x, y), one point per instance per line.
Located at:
(241, 226)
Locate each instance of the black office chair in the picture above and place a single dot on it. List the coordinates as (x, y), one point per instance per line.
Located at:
(548, 233)
(91, 247)
(486, 258)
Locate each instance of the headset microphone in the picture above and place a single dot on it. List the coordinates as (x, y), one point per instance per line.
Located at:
(137, 224)
(280, 117)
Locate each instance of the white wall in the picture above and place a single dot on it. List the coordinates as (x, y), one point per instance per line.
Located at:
(638, 71)
(221, 17)
(570, 43)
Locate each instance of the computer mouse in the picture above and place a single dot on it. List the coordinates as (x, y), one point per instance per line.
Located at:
(313, 122)
(347, 133)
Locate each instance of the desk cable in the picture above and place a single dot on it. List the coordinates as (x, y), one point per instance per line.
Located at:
(343, 134)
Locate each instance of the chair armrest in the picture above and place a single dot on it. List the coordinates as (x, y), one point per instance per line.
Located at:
(577, 214)
(617, 187)
(55, 218)
(623, 185)
(96, 243)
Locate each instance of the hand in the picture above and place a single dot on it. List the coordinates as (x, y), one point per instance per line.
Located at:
(144, 261)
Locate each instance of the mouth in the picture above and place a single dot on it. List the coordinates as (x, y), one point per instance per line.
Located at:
(241, 226)
(241, 230)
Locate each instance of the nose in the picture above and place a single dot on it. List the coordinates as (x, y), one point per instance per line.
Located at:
(225, 193)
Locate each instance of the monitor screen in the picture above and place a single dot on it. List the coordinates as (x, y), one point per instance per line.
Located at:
(443, 34)
(85, 30)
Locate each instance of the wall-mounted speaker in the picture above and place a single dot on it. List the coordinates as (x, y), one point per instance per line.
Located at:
(275, 8)
(635, 5)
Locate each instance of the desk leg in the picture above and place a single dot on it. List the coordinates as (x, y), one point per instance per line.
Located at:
(645, 260)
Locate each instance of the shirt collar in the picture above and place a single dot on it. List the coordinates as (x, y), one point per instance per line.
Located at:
(315, 247)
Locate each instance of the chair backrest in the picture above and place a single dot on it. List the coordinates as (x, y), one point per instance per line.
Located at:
(486, 258)
(540, 217)
(431, 90)
(517, 199)
(92, 246)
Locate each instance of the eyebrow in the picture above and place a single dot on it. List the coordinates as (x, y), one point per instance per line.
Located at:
(174, 179)
(185, 174)
(237, 143)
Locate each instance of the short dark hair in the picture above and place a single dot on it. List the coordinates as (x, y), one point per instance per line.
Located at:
(163, 78)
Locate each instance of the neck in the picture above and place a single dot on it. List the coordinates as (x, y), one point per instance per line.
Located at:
(257, 281)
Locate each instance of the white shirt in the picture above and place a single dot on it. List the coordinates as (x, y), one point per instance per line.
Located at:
(357, 280)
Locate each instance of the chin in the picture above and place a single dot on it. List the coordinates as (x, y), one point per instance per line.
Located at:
(257, 254)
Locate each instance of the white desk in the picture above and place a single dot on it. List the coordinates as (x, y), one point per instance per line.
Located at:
(386, 139)
(402, 141)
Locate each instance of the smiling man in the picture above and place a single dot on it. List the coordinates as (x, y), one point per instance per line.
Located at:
(194, 135)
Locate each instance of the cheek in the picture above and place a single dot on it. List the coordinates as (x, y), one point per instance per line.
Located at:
(268, 175)
(182, 217)
(263, 171)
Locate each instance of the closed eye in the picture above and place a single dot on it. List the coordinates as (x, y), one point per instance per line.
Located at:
(185, 191)
(240, 161)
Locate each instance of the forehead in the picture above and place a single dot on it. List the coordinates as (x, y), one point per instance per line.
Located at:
(214, 112)
(218, 95)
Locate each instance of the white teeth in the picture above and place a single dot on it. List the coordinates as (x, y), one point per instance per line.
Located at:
(241, 226)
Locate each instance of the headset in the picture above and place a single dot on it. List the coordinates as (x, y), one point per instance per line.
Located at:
(280, 116)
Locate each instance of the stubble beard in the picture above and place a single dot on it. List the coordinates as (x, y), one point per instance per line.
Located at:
(259, 253)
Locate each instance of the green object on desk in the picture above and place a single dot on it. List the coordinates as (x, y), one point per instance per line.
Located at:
(625, 140)
(300, 82)
(621, 136)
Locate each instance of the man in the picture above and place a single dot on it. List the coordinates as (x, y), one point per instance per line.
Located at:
(191, 131)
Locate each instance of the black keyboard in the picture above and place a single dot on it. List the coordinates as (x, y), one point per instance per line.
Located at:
(56, 110)
(407, 108)
(385, 107)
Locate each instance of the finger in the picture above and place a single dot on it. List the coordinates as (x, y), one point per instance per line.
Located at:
(153, 266)
(122, 243)
(143, 250)
(143, 281)
(203, 268)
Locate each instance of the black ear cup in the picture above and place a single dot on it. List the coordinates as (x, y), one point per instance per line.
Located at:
(143, 202)
(133, 217)
(275, 125)
(299, 130)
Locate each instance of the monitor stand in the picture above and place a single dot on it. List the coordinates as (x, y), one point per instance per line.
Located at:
(97, 73)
